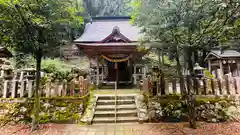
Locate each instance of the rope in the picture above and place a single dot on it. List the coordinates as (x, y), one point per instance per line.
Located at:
(116, 60)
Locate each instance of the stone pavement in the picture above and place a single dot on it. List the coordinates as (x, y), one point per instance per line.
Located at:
(227, 128)
(110, 129)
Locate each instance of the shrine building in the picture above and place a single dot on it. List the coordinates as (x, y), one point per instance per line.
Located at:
(113, 44)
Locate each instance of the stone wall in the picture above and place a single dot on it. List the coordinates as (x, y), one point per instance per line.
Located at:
(59, 109)
(174, 109)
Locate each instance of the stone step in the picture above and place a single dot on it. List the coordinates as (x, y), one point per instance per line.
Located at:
(112, 107)
(119, 113)
(112, 102)
(112, 120)
(112, 97)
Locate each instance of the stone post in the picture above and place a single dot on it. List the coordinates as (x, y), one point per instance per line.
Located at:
(21, 76)
(144, 72)
(64, 91)
(2, 74)
(48, 88)
(14, 88)
(5, 89)
(30, 88)
(22, 88)
(60, 88)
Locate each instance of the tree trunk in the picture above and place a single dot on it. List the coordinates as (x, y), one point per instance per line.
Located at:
(161, 82)
(195, 56)
(191, 101)
(162, 58)
(180, 74)
(35, 119)
(159, 58)
(189, 59)
(204, 55)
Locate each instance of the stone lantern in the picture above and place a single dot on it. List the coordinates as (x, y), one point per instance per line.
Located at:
(7, 72)
(198, 70)
(30, 73)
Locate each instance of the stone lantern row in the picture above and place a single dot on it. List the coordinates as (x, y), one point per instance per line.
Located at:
(8, 73)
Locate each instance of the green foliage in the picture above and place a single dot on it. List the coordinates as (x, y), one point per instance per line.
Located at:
(208, 74)
(59, 70)
(173, 108)
(51, 110)
(50, 65)
(184, 26)
(37, 28)
(108, 7)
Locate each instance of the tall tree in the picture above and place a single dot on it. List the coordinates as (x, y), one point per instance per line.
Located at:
(36, 27)
(108, 7)
(187, 27)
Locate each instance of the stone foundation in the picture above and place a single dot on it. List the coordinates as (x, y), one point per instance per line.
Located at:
(60, 110)
(174, 109)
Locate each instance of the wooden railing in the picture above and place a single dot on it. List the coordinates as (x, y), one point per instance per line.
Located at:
(201, 86)
(25, 88)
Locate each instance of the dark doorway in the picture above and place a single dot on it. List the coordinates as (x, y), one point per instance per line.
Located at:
(124, 74)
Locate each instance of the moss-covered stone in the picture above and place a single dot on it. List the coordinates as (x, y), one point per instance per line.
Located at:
(174, 108)
(67, 109)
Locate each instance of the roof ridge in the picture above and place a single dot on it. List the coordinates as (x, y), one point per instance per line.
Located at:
(110, 17)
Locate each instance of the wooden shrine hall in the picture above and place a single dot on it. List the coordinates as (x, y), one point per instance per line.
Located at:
(112, 43)
(224, 62)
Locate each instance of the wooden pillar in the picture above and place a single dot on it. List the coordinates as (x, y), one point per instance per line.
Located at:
(102, 73)
(131, 71)
(134, 74)
(97, 77)
(229, 68)
(209, 66)
(221, 68)
(116, 83)
(237, 62)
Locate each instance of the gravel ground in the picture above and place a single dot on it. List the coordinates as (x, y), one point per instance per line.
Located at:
(232, 128)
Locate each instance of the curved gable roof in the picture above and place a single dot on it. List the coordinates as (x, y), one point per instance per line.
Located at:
(223, 54)
(101, 27)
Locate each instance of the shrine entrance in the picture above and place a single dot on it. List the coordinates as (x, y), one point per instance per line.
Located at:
(112, 44)
(121, 74)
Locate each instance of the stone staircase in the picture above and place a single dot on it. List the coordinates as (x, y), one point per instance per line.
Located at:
(115, 109)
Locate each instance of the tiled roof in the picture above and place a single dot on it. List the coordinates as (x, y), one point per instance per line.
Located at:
(226, 53)
(4, 52)
(102, 27)
(109, 44)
